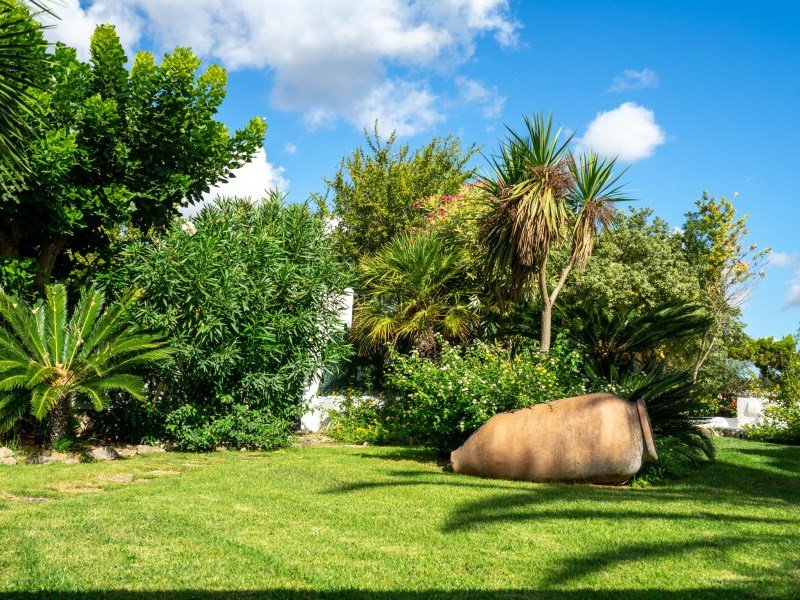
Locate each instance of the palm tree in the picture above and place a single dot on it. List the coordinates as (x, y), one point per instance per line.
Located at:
(412, 292)
(538, 197)
(54, 358)
(23, 66)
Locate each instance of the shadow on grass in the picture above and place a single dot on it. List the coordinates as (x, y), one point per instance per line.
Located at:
(738, 590)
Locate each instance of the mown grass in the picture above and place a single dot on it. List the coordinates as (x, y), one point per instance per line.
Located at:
(358, 523)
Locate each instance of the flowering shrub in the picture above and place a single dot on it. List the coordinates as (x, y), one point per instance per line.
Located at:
(358, 420)
(441, 403)
(780, 420)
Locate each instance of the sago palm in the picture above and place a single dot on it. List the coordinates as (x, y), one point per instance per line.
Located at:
(411, 291)
(53, 357)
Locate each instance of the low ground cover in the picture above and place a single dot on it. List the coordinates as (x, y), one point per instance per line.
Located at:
(366, 522)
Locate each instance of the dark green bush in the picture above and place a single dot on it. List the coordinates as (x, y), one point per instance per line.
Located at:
(675, 460)
(247, 294)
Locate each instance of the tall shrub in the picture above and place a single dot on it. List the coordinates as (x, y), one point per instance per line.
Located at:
(247, 293)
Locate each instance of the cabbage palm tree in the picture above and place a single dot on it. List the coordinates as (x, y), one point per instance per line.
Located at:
(412, 292)
(52, 358)
(538, 197)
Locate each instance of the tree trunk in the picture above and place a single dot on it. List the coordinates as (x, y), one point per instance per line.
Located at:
(547, 309)
(48, 254)
(59, 420)
(9, 242)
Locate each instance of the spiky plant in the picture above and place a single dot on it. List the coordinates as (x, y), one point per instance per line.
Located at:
(623, 348)
(54, 357)
(23, 66)
(671, 404)
(411, 290)
(538, 197)
(625, 340)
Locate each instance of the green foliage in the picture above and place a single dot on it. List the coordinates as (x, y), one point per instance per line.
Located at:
(197, 430)
(624, 340)
(247, 294)
(440, 403)
(770, 356)
(781, 417)
(413, 290)
(538, 197)
(720, 382)
(637, 263)
(115, 147)
(56, 358)
(357, 420)
(713, 243)
(23, 66)
(675, 461)
(375, 188)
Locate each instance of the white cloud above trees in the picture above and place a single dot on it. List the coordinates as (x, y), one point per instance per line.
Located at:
(328, 59)
(629, 131)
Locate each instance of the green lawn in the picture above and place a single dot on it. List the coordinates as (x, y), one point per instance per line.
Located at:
(389, 523)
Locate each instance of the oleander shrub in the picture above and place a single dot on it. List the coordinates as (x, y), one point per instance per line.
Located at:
(247, 292)
(441, 403)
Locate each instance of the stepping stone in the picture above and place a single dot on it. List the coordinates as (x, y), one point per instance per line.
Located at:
(121, 478)
(165, 472)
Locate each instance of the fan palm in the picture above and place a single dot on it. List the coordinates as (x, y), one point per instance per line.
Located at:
(412, 292)
(539, 197)
(23, 66)
(53, 357)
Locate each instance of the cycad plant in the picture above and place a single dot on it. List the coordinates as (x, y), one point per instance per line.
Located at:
(538, 196)
(412, 290)
(53, 357)
(628, 349)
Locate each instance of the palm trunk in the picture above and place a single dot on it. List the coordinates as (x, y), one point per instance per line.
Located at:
(547, 309)
(59, 419)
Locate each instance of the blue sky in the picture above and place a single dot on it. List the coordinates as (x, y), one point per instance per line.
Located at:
(693, 95)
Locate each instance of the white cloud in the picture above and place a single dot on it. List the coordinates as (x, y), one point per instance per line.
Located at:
(629, 131)
(793, 294)
(75, 25)
(252, 180)
(290, 148)
(783, 259)
(402, 106)
(490, 101)
(324, 56)
(634, 80)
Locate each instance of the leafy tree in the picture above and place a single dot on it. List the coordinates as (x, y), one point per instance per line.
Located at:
(540, 197)
(55, 357)
(118, 147)
(713, 242)
(412, 292)
(770, 356)
(375, 188)
(23, 65)
(247, 293)
(637, 263)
